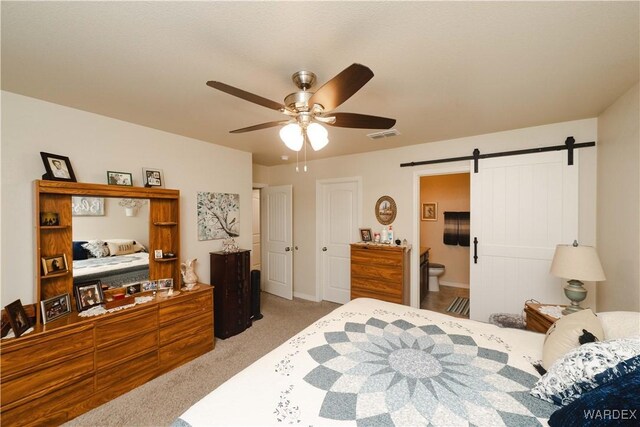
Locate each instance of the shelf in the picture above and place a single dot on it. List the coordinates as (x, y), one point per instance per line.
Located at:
(52, 275)
(53, 227)
(165, 223)
(165, 259)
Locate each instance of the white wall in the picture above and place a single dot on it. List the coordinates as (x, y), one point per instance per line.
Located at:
(114, 224)
(96, 144)
(619, 203)
(382, 175)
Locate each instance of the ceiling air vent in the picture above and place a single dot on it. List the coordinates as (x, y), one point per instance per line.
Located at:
(384, 134)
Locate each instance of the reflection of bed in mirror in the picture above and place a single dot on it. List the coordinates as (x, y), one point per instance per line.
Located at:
(99, 255)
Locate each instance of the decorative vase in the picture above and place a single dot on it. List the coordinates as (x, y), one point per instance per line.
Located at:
(189, 276)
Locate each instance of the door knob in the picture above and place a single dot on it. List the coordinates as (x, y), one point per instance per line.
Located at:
(287, 249)
(296, 248)
(324, 249)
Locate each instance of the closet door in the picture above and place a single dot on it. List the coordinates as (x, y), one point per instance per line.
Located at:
(521, 208)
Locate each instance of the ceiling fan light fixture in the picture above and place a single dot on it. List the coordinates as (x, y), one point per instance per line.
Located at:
(318, 136)
(291, 135)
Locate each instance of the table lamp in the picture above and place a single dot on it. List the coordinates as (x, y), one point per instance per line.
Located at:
(576, 263)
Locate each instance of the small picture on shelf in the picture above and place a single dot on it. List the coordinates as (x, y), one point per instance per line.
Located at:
(133, 289)
(119, 178)
(157, 254)
(49, 219)
(152, 177)
(149, 286)
(88, 294)
(164, 284)
(58, 167)
(54, 264)
(365, 234)
(18, 318)
(55, 307)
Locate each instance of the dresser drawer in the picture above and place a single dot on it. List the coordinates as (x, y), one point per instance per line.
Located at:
(125, 324)
(46, 378)
(49, 349)
(186, 326)
(116, 352)
(128, 374)
(378, 286)
(50, 409)
(191, 346)
(393, 274)
(365, 293)
(382, 257)
(173, 310)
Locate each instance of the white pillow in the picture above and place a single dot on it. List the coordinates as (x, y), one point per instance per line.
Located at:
(563, 335)
(620, 324)
(123, 248)
(97, 248)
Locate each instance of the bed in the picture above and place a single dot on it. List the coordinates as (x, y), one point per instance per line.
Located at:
(371, 362)
(114, 262)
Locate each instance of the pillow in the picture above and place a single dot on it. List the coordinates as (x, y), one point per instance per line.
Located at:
(563, 335)
(621, 394)
(620, 324)
(78, 251)
(578, 371)
(97, 248)
(138, 247)
(123, 248)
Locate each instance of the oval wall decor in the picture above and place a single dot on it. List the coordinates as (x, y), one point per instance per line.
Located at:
(386, 210)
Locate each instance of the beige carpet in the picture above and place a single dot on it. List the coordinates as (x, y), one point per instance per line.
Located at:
(162, 400)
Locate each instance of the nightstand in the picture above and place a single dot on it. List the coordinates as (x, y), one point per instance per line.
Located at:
(537, 321)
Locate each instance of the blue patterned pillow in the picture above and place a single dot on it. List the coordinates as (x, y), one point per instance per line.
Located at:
(587, 367)
(78, 251)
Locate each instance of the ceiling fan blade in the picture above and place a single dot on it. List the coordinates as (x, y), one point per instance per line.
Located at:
(362, 121)
(260, 126)
(341, 87)
(247, 96)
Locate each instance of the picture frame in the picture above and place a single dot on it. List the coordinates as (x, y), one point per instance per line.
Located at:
(88, 294)
(136, 288)
(58, 167)
(152, 177)
(429, 211)
(54, 264)
(49, 219)
(56, 307)
(87, 206)
(165, 284)
(366, 235)
(18, 318)
(119, 178)
(150, 285)
(157, 254)
(386, 210)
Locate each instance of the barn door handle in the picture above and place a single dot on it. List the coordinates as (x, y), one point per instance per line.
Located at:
(475, 250)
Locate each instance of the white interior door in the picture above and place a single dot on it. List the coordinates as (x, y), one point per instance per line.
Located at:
(256, 252)
(521, 208)
(339, 218)
(277, 231)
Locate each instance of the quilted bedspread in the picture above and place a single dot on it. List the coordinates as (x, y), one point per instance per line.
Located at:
(372, 363)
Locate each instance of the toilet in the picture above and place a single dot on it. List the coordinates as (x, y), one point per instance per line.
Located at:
(435, 270)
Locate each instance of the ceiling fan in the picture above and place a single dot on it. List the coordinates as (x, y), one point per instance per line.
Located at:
(306, 110)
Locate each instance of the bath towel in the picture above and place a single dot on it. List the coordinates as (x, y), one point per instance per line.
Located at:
(450, 228)
(463, 228)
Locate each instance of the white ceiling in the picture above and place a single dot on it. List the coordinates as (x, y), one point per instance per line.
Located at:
(442, 69)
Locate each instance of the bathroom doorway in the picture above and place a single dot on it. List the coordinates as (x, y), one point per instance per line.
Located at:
(445, 202)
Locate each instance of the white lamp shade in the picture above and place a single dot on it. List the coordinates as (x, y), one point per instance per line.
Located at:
(318, 136)
(577, 263)
(291, 135)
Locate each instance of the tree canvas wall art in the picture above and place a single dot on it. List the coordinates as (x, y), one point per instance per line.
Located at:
(218, 215)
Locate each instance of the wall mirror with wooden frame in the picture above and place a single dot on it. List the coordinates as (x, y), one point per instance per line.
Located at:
(55, 237)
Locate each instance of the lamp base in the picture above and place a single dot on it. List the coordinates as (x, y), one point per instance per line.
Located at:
(575, 291)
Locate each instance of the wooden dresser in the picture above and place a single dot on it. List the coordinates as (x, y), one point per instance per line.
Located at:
(231, 278)
(536, 320)
(73, 364)
(380, 271)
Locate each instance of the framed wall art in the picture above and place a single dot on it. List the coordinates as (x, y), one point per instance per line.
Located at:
(386, 210)
(429, 211)
(87, 206)
(218, 215)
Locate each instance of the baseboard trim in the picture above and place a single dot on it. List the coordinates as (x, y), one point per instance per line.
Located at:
(305, 296)
(454, 284)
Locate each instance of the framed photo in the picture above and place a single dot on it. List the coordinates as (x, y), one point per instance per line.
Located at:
(157, 254)
(133, 289)
(55, 307)
(54, 264)
(48, 219)
(119, 178)
(87, 206)
(152, 177)
(365, 235)
(58, 167)
(386, 210)
(164, 284)
(149, 286)
(88, 294)
(18, 318)
(430, 211)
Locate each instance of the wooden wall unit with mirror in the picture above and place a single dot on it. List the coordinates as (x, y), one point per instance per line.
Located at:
(73, 364)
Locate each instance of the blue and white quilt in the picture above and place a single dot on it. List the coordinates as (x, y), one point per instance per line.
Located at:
(372, 363)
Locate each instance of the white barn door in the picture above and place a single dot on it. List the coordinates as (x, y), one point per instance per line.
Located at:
(277, 238)
(521, 208)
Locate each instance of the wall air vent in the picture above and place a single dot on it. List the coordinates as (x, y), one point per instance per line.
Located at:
(384, 134)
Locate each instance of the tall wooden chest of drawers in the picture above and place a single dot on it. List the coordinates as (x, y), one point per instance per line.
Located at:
(380, 272)
(230, 276)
